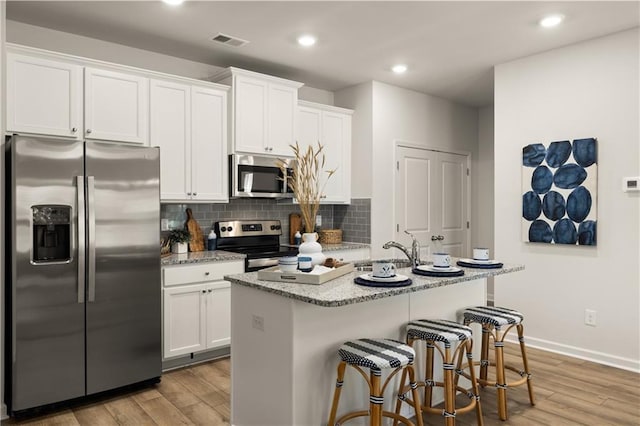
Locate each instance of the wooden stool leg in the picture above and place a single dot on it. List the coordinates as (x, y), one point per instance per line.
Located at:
(474, 382)
(402, 385)
(336, 394)
(375, 399)
(501, 384)
(525, 363)
(449, 390)
(484, 351)
(414, 394)
(428, 388)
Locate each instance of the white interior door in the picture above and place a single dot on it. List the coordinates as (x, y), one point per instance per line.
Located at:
(431, 200)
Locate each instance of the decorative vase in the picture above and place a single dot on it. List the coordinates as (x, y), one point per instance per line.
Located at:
(311, 247)
(179, 248)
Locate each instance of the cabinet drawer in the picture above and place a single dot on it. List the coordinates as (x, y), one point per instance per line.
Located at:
(187, 274)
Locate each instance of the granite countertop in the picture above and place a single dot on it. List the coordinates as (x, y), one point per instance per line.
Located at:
(343, 291)
(339, 246)
(200, 257)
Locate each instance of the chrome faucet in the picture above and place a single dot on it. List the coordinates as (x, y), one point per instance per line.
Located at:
(414, 256)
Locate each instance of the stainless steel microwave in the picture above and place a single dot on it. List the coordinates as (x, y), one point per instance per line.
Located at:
(258, 176)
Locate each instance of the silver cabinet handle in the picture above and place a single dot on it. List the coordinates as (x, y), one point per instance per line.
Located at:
(204, 291)
(210, 290)
(92, 238)
(437, 238)
(206, 273)
(188, 193)
(73, 130)
(89, 130)
(80, 236)
(195, 193)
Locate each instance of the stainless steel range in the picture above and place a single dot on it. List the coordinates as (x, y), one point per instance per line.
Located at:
(258, 239)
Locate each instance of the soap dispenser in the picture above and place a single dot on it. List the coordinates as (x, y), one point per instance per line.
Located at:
(297, 238)
(212, 241)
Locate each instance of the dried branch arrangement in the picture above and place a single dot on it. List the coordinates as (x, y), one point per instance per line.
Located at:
(307, 181)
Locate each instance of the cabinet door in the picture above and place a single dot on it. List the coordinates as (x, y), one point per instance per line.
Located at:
(219, 315)
(185, 319)
(336, 138)
(250, 115)
(116, 106)
(43, 97)
(209, 145)
(170, 111)
(309, 127)
(283, 102)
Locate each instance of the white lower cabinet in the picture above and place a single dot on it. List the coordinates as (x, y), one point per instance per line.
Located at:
(197, 307)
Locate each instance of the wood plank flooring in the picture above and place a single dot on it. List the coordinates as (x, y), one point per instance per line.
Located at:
(568, 392)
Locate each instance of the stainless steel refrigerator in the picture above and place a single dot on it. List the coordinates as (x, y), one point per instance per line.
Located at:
(83, 285)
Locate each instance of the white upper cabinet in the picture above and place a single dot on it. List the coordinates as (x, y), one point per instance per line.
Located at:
(59, 95)
(116, 106)
(263, 112)
(188, 123)
(209, 164)
(44, 97)
(331, 126)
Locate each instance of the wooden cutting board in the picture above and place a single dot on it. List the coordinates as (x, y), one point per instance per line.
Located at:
(295, 224)
(197, 240)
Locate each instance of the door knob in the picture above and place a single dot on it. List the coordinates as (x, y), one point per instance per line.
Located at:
(75, 129)
(89, 130)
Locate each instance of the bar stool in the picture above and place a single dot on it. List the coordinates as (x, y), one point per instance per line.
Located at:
(496, 323)
(449, 333)
(376, 355)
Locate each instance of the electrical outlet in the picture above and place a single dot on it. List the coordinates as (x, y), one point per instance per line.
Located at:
(318, 220)
(257, 322)
(590, 317)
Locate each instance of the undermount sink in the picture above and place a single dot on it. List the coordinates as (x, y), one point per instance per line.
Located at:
(399, 263)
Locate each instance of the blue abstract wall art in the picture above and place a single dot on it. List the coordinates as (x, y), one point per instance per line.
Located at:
(559, 192)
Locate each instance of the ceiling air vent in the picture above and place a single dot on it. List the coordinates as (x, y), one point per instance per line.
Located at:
(229, 40)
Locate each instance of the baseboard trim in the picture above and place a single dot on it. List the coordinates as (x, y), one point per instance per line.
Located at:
(581, 353)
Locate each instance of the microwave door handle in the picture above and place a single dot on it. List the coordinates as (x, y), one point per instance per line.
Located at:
(81, 234)
(91, 273)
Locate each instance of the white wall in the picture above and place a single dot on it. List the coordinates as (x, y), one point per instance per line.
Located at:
(3, 7)
(588, 89)
(359, 98)
(407, 115)
(483, 232)
(72, 44)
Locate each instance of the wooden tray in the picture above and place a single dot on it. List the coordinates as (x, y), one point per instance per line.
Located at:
(274, 274)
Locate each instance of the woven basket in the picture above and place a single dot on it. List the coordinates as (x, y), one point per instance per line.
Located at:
(330, 236)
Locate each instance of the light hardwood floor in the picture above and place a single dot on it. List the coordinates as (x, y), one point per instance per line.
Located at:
(568, 392)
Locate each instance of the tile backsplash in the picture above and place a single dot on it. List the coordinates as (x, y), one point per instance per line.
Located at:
(353, 219)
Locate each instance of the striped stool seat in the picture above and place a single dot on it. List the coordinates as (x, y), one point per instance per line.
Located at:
(496, 323)
(444, 331)
(493, 315)
(376, 354)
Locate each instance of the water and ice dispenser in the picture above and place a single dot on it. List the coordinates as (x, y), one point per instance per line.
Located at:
(51, 233)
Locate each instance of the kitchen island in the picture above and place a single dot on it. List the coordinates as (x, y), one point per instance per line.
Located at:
(286, 336)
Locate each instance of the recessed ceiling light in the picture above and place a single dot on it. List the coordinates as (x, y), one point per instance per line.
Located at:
(173, 2)
(399, 68)
(551, 21)
(306, 40)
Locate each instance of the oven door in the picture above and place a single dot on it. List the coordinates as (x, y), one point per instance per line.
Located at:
(258, 177)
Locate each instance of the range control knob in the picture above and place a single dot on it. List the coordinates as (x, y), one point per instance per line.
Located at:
(278, 226)
(229, 229)
(273, 227)
(223, 229)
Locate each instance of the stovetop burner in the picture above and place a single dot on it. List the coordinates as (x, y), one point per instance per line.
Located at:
(258, 239)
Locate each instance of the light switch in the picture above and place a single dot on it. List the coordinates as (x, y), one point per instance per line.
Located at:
(631, 184)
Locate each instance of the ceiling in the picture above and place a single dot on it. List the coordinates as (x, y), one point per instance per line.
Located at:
(450, 47)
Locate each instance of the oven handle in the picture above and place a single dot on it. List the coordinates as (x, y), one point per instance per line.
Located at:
(254, 264)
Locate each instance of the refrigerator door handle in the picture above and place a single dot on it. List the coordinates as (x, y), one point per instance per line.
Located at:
(81, 237)
(91, 246)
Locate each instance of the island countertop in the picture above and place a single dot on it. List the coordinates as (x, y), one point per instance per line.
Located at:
(343, 291)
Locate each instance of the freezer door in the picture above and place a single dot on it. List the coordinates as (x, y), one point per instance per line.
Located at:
(123, 265)
(45, 293)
